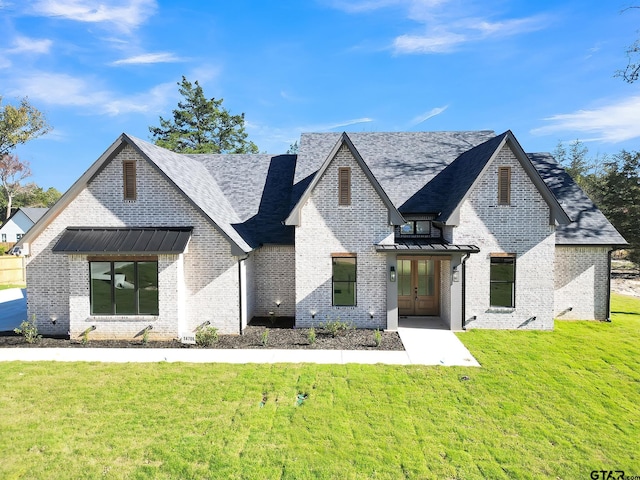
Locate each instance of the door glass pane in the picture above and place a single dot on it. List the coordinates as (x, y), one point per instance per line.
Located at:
(100, 287)
(124, 282)
(148, 288)
(422, 285)
(404, 277)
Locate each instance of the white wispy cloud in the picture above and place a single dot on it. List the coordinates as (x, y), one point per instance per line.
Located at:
(615, 122)
(60, 89)
(123, 14)
(445, 36)
(149, 58)
(427, 115)
(443, 25)
(30, 45)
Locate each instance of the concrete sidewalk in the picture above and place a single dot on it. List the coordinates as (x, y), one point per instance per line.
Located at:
(441, 348)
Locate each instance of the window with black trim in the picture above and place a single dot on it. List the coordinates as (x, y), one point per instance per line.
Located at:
(129, 179)
(503, 281)
(124, 287)
(419, 229)
(504, 185)
(344, 186)
(344, 280)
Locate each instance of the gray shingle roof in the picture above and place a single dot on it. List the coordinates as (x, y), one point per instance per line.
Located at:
(195, 181)
(589, 226)
(34, 213)
(249, 196)
(402, 162)
(443, 194)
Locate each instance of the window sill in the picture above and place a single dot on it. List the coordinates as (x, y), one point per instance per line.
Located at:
(501, 310)
(121, 318)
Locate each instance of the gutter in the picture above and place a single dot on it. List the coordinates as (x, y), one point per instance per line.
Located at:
(609, 252)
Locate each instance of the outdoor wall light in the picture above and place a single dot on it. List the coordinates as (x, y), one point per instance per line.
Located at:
(456, 274)
(278, 302)
(392, 273)
(54, 319)
(371, 313)
(313, 313)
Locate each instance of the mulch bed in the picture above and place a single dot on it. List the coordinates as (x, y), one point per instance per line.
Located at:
(278, 336)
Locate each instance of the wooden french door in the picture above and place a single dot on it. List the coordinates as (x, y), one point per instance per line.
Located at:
(418, 286)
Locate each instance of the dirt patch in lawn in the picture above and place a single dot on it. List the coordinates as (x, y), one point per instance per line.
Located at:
(280, 336)
(625, 278)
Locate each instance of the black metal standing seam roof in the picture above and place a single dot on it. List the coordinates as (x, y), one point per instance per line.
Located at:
(158, 240)
(414, 246)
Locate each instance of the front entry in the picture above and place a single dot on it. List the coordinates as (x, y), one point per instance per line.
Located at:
(418, 286)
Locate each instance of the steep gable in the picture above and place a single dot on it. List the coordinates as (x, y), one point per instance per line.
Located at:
(394, 216)
(444, 194)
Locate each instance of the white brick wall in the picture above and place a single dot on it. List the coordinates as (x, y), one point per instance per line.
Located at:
(275, 280)
(521, 228)
(581, 282)
(327, 228)
(59, 285)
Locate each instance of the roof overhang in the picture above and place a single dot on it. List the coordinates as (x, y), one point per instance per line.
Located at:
(426, 248)
(129, 241)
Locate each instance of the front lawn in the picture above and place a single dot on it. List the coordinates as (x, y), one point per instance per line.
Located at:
(544, 405)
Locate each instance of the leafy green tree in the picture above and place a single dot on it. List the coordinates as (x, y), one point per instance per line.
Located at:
(585, 171)
(620, 198)
(18, 125)
(201, 125)
(293, 148)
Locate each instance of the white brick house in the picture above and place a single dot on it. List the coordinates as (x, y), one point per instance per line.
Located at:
(367, 227)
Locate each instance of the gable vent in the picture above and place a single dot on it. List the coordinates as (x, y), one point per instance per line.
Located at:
(129, 182)
(504, 185)
(344, 186)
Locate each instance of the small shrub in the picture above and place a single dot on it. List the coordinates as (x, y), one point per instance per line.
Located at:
(206, 336)
(336, 327)
(311, 336)
(145, 336)
(264, 338)
(85, 337)
(2, 249)
(29, 331)
(377, 337)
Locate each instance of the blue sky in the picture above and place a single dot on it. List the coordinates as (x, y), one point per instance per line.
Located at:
(543, 69)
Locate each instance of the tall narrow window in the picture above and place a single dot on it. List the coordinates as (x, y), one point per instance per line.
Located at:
(129, 179)
(344, 280)
(503, 280)
(504, 185)
(344, 186)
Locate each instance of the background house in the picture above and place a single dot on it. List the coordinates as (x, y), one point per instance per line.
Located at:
(19, 223)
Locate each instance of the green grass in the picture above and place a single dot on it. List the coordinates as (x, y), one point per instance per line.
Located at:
(6, 286)
(544, 405)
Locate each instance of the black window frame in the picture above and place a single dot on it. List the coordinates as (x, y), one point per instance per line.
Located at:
(112, 286)
(497, 260)
(334, 280)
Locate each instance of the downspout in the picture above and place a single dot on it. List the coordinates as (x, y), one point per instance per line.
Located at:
(464, 290)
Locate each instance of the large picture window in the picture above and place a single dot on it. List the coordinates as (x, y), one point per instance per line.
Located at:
(124, 287)
(344, 280)
(503, 281)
